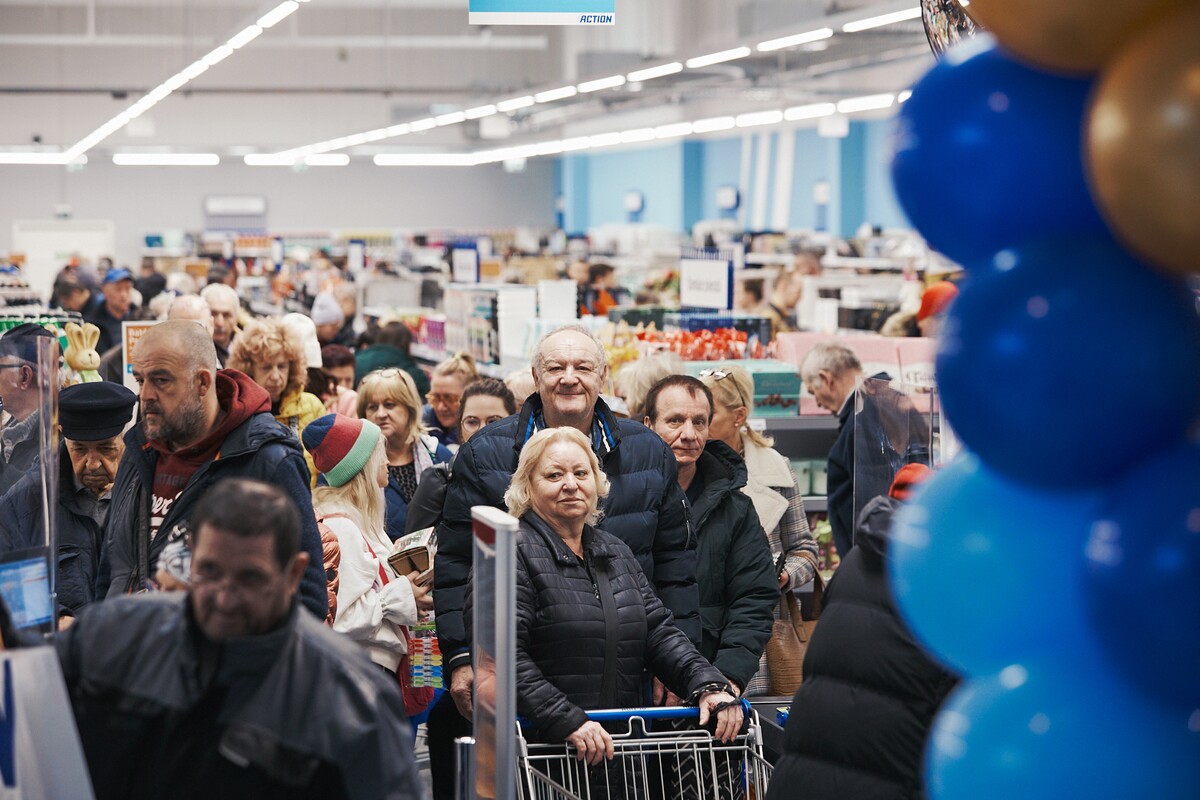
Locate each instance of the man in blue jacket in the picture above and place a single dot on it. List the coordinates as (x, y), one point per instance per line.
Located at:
(198, 425)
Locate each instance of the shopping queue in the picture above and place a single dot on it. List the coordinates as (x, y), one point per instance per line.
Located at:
(679, 486)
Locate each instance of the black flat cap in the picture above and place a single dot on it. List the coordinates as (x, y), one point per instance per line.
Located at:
(89, 412)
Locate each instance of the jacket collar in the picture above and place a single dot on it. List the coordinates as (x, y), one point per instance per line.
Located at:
(592, 548)
(606, 432)
(765, 466)
(723, 471)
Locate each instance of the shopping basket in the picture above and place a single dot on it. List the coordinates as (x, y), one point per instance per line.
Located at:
(657, 756)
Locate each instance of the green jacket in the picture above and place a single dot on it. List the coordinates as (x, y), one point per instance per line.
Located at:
(738, 587)
(382, 356)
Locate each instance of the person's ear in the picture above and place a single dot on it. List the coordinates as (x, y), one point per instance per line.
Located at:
(646, 421)
(295, 570)
(740, 415)
(204, 381)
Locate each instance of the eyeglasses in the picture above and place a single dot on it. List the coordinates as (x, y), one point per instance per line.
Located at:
(720, 375)
(451, 400)
(244, 587)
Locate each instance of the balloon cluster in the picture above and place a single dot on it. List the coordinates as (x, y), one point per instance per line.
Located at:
(1056, 565)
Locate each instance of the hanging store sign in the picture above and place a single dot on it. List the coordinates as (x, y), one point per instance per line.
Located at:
(542, 12)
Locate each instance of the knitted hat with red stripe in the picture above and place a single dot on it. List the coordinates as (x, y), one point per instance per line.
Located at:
(340, 445)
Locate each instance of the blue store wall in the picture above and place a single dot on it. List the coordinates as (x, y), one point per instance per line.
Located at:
(679, 180)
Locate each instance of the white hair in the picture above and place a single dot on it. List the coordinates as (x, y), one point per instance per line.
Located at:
(539, 354)
(835, 357)
(219, 291)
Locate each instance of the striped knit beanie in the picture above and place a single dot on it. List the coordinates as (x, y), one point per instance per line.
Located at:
(340, 445)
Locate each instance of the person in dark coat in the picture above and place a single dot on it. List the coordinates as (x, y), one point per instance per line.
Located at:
(114, 306)
(859, 722)
(198, 425)
(22, 393)
(91, 417)
(230, 690)
(736, 574)
(390, 349)
(588, 623)
(894, 432)
(646, 507)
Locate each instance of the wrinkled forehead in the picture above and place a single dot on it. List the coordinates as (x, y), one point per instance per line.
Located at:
(571, 347)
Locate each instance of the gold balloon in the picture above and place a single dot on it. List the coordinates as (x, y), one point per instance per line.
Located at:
(1143, 143)
(1076, 36)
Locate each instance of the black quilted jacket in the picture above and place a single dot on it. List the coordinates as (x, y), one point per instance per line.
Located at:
(586, 629)
(645, 508)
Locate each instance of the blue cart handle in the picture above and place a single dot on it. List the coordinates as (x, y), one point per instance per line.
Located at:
(654, 712)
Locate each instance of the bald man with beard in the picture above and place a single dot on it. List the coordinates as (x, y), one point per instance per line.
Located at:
(199, 425)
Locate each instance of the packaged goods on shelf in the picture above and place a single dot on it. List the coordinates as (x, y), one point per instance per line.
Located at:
(752, 325)
(638, 315)
(471, 322)
(776, 386)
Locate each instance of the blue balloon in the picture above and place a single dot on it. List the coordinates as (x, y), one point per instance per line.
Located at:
(1048, 732)
(1144, 574)
(987, 572)
(987, 152)
(1063, 362)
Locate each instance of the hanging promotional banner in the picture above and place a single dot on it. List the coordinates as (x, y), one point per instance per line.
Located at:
(542, 12)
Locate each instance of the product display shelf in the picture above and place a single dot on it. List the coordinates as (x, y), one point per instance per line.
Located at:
(799, 439)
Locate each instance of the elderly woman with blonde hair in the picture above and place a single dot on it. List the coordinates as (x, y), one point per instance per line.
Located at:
(273, 356)
(389, 398)
(588, 621)
(770, 484)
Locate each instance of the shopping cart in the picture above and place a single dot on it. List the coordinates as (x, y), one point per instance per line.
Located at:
(656, 758)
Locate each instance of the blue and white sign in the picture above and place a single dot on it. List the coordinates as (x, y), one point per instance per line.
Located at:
(542, 12)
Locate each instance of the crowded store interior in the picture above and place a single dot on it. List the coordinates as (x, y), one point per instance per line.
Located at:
(599, 399)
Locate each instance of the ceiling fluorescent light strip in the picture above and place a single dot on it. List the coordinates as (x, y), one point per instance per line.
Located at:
(181, 78)
(32, 158)
(555, 94)
(327, 160)
(515, 104)
(601, 83)
(718, 58)
(713, 124)
(759, 118)
(453, 118)
(425, 159)
(661, 71)
(811, 111)
(882, 19)
(871, 102)
(795, 40)
(267, 160)
(166, 159)
(480, 111)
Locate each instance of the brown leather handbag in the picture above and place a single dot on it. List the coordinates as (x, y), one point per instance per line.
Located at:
(790, 635)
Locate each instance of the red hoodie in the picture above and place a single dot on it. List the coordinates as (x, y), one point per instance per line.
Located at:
(239, 398)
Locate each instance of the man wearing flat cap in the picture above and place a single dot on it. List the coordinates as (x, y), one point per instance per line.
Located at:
(92, 417)
(19, 447)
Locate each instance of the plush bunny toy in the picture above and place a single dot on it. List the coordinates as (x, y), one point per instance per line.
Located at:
(81, 354)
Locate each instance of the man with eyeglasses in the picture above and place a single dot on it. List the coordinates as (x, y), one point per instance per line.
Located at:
(22, 398)
(737, 577)
(230, 690)
(199, 425)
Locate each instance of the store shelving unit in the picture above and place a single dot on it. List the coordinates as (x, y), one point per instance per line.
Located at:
(808, 437)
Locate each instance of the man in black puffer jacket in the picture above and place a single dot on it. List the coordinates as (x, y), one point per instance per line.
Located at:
(859, 722)
(646, 508)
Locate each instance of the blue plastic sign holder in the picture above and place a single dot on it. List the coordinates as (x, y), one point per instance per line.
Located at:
(542, 12)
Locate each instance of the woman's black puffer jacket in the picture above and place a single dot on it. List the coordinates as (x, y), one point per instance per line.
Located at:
(586, 630)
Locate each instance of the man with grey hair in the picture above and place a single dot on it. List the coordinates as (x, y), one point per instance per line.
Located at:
(223, 302)
(645, 508)
(832, 373)
(199, 425)
(193, 307)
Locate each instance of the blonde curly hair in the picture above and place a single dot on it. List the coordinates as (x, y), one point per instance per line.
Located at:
(261, 340)
(518, 496)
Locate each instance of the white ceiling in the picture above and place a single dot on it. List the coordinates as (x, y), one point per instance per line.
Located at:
(339, 67)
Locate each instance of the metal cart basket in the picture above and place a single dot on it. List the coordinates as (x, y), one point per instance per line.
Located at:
(660, 754)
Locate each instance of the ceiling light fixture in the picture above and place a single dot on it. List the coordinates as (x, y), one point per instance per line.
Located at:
(713, 124)
(759, 118)
(649, 74)
(673, 130)
(453, 118)
(811, 111)
(245, 37)
(166, 159)
(882, 19)
(871, 102)
(555, 94)
(327, 160)
(794, 40)
(425, 159)
(278, 13)
(637, 135)
(267, 160)
(718, 58)
(422, 125)
(601, 83)
(903, 96)
(480, 111)
(515, 104)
